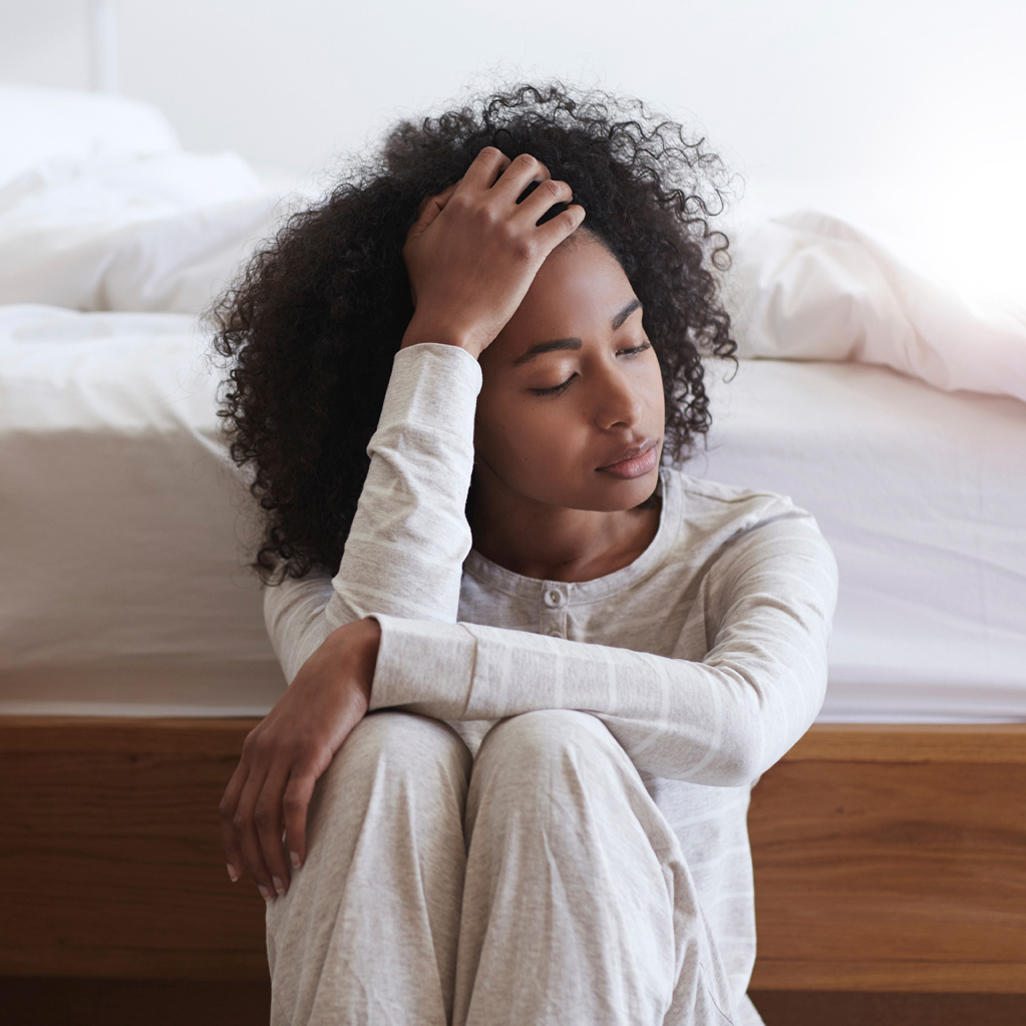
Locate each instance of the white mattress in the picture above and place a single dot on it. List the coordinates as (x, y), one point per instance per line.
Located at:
(127, 527)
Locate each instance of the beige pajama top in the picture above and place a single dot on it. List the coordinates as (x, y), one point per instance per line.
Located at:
(706, 657)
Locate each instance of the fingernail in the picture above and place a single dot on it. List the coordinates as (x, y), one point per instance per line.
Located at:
(294, 859)
(264, 892)
(278, 885)
(232, 875)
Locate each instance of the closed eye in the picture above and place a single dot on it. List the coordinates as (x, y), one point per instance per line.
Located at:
(557, 389)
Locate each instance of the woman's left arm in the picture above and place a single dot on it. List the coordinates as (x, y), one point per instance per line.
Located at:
(722, 721)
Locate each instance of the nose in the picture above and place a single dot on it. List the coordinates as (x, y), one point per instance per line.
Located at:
(618, 400)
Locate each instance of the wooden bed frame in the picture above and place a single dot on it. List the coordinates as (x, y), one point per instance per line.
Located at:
(889, 860)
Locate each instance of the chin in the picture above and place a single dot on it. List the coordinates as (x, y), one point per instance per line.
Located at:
(617, 495)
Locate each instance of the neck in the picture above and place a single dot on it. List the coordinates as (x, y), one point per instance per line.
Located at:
(558, 544)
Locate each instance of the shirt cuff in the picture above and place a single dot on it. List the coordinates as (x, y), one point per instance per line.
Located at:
(412, 396)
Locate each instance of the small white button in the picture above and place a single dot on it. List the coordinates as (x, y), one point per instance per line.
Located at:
(553, 597)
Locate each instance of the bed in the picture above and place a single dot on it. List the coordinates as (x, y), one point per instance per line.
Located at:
(889, 843)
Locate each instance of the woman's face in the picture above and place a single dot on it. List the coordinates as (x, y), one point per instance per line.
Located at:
(550, 449)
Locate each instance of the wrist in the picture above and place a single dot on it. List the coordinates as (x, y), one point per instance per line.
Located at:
(356, 652)
(427, 331)
(370, 642)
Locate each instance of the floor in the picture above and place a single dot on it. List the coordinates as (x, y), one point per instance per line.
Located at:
(73, 1002)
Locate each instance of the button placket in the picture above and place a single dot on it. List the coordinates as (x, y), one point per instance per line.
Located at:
(554, 616)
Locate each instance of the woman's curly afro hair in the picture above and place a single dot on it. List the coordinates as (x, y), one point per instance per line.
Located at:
(310, 326)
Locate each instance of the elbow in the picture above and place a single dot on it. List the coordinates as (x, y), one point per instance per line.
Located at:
(758, 742)
(766, 715)
(742, 742)
(742, 757)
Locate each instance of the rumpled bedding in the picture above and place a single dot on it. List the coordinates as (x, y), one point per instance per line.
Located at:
(167, 231)
(160, 233)
(810, 286)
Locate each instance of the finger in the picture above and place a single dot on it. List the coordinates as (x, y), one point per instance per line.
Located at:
(523, 170)
(484, 168)
(545, 195)
(245, 828)
(553, 232)
(267, 819)
(443, 197)
(226, 814)
(432, 206)
(296, 803)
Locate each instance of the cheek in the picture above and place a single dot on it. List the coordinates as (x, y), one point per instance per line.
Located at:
(519, 436)
(654, 387)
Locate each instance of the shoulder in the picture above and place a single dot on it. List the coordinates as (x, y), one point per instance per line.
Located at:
(720, 522)
(718, 505)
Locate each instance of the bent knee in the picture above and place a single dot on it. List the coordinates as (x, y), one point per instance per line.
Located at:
(544, 734)
(404, 741)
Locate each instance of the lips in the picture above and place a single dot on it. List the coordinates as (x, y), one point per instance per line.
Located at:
(631, 453)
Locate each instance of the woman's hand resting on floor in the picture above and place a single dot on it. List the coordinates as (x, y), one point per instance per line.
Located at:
(286, 752)
(473, 251)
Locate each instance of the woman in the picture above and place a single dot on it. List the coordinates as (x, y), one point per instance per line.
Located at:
(534, 668)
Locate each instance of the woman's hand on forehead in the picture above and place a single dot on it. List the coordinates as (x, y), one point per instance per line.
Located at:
(474, 250)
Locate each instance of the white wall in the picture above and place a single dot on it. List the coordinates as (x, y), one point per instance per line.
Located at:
(912, 112)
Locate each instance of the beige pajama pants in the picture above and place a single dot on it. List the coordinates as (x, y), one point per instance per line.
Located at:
(533, 883)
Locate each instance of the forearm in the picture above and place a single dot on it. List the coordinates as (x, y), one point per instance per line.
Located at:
(409, 537)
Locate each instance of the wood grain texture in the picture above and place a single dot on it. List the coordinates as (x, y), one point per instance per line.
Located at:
(112, 856)
(901, 866)
(886, 858)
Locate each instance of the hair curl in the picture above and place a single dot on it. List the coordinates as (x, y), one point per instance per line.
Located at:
(310, 327)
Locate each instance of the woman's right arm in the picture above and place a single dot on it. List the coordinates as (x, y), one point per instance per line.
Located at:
(408, 540)
(471, 256)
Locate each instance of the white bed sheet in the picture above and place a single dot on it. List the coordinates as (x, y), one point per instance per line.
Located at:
(127, 527)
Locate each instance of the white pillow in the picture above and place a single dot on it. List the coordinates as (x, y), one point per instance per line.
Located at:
(39, 125)
(155, 233)
(811, 286)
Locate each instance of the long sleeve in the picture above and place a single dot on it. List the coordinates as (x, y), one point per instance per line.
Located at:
(769, 600)
(409, 537)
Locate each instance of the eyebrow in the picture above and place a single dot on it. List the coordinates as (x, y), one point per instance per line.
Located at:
(574, 343)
